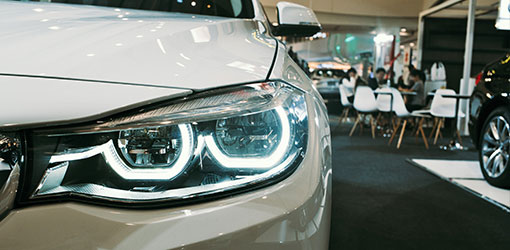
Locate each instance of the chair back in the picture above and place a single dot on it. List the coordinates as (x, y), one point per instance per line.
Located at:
(343, 96)
(399, 106)
(364, 100)
(441, 106)
(384, 100)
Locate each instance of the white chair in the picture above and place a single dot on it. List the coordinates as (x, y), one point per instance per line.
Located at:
(365, 104)
(443, 108)
(345, 103)
(383, 103)
(404, 115)
(383, 99)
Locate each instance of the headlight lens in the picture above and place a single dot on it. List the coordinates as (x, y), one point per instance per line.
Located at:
(216, 142)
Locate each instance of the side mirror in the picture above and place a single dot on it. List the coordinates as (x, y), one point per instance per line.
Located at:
(295, 20)
(503, 21)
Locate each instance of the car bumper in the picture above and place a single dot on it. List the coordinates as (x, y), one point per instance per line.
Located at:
(292, 214)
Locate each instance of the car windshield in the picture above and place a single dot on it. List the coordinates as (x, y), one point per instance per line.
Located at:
(224, 8)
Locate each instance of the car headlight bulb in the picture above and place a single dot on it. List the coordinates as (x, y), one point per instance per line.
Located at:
(268, 148)
(250, 136)
(153, 147)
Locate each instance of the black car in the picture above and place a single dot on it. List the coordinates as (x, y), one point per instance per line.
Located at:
(489, 123)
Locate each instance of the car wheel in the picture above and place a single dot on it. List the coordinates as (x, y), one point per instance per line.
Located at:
(494, 148)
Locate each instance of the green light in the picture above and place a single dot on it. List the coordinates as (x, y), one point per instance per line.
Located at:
(349, 38)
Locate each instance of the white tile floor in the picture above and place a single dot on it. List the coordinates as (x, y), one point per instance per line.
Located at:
(468, 175)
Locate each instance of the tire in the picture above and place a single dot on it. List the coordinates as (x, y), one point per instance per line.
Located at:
(494, 148)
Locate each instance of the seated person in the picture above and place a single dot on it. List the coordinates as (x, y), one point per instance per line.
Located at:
(351, 83)
(404, 81)
(416, 102)
(378, 80)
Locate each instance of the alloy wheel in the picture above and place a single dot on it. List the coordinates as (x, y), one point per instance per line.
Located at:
(495, 147)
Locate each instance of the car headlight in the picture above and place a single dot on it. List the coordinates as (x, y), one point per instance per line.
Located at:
(215, 142)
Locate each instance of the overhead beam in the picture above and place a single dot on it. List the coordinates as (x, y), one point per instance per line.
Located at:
(440, 7)
(462, 7)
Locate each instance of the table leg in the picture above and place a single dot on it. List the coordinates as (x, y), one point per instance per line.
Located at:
(455, 145)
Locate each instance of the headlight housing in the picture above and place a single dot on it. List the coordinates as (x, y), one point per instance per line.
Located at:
(216, 142)
(10, 160)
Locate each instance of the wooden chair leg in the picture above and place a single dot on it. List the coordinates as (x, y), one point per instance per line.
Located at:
(419, 124)
(395, 130)
(396, 125)
(362, 124)
(438, 130)
(458, 136)
(434, 127)
(378, 118)
(417, 132)
(372, 126)
(420, 128)
(402, 134)
(344, 115)
(355, 125)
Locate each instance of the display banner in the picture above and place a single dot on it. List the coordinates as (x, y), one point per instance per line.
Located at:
(503, 21)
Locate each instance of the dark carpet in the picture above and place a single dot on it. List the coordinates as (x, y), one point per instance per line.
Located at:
(382, 202)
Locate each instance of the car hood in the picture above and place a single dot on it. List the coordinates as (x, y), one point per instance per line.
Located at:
(131, 46)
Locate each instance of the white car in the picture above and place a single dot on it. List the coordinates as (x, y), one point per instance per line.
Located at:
(152, 124)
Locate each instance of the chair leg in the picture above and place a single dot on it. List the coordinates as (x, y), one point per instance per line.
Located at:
(436, 121)
(416, 129)
(417, 132)
(355, 125)
(344, 115)
(420, 128)
(402, 134)
(378, 118)
(362, 124)
(372, 126)
(395, 130)
(441, 131)
(458, 136)
(397, 124)
(438, 130)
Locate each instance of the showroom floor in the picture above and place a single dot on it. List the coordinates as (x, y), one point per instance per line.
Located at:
(383, 201)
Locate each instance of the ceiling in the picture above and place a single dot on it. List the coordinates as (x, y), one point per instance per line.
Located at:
(386, 8)
(372, 14)
(362, 16)
(486, 9)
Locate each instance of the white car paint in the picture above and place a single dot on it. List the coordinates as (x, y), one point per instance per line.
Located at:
(101, 44)
(133, 46)
(31, 101)
(295, 14)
